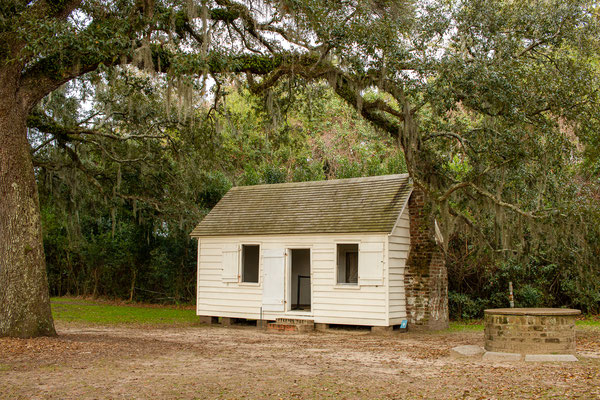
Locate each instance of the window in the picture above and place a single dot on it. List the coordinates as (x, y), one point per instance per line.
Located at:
(347, 264)
(250, 256)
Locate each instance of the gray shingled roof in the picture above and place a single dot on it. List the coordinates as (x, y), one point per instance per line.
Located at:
(335, 206)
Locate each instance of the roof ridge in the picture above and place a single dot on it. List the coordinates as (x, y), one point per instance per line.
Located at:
(326, 181)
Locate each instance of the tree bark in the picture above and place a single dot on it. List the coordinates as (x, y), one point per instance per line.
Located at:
(132, 290)
(24, 298)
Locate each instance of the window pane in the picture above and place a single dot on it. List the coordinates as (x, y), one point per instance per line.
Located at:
(347, 263)
(352, 267)
(250, 255)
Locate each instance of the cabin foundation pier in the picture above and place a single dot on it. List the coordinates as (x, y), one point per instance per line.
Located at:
(208, 320)
(382, 330)
(321, 327)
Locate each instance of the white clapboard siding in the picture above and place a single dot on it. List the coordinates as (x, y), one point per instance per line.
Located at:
(331, 303)
(399, 245)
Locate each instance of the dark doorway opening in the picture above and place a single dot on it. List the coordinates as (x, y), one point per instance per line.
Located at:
(300, 275)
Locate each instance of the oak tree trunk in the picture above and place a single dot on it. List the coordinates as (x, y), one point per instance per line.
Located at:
(24, 298)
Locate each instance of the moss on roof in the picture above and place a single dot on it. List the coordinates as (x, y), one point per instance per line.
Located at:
(354, 205)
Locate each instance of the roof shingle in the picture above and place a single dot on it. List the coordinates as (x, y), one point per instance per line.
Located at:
(353, 205)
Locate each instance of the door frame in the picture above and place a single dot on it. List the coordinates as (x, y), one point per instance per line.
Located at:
(288, 279)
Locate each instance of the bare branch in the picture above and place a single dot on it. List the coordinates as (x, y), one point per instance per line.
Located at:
(540, 42)
(115, 158)
(43, 123)
(55, 9)
(456, 136)
(42, 145)
(249, 22)
(452, 189)
(470, 224)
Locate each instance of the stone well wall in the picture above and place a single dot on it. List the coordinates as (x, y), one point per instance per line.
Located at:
(530, 330)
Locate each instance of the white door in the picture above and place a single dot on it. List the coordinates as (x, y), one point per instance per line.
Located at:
(273, 279)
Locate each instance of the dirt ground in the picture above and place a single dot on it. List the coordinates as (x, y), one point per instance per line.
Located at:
(91, 362)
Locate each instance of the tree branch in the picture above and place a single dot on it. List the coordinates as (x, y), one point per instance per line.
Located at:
(44, 124)
(249, 23)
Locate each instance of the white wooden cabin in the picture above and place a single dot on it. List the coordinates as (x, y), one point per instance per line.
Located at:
(329, 251)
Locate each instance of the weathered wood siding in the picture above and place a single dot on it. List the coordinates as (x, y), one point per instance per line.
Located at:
(331, 303)
(399, 245)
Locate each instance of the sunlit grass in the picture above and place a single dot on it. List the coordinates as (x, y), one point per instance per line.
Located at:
(466, 326)
(103, 313)
(589, 322)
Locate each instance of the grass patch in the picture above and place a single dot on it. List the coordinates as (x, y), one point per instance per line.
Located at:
(589, 322)
(466, 326)
(103, 313)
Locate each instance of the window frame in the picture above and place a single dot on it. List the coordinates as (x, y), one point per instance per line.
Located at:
(346, 285)
(258, 265)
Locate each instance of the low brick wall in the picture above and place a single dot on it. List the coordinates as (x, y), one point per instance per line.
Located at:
(530, 330)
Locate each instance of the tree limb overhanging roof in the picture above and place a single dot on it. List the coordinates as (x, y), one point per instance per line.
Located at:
(353, 205)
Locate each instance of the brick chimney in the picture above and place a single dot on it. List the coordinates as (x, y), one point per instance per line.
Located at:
(426, 277)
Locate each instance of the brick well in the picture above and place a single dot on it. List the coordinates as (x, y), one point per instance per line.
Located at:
(530, 330)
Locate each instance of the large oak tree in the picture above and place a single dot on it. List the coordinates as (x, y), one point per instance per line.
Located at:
(470, 89)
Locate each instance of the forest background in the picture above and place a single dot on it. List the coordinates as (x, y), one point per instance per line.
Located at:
(117, 213)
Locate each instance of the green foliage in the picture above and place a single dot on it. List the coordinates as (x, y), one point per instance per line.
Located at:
(583, 294)
(272, 174)
(309, 171)
(250, 177)
(463, 307)
(124, 232)
(216, 184)
(535, 284)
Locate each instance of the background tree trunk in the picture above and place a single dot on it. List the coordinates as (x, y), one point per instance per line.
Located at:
(24, 299)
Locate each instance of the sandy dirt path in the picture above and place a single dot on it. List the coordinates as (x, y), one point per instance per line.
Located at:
(93, 362)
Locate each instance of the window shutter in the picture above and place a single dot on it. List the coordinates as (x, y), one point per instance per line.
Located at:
(370, 264)
(230, 263)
